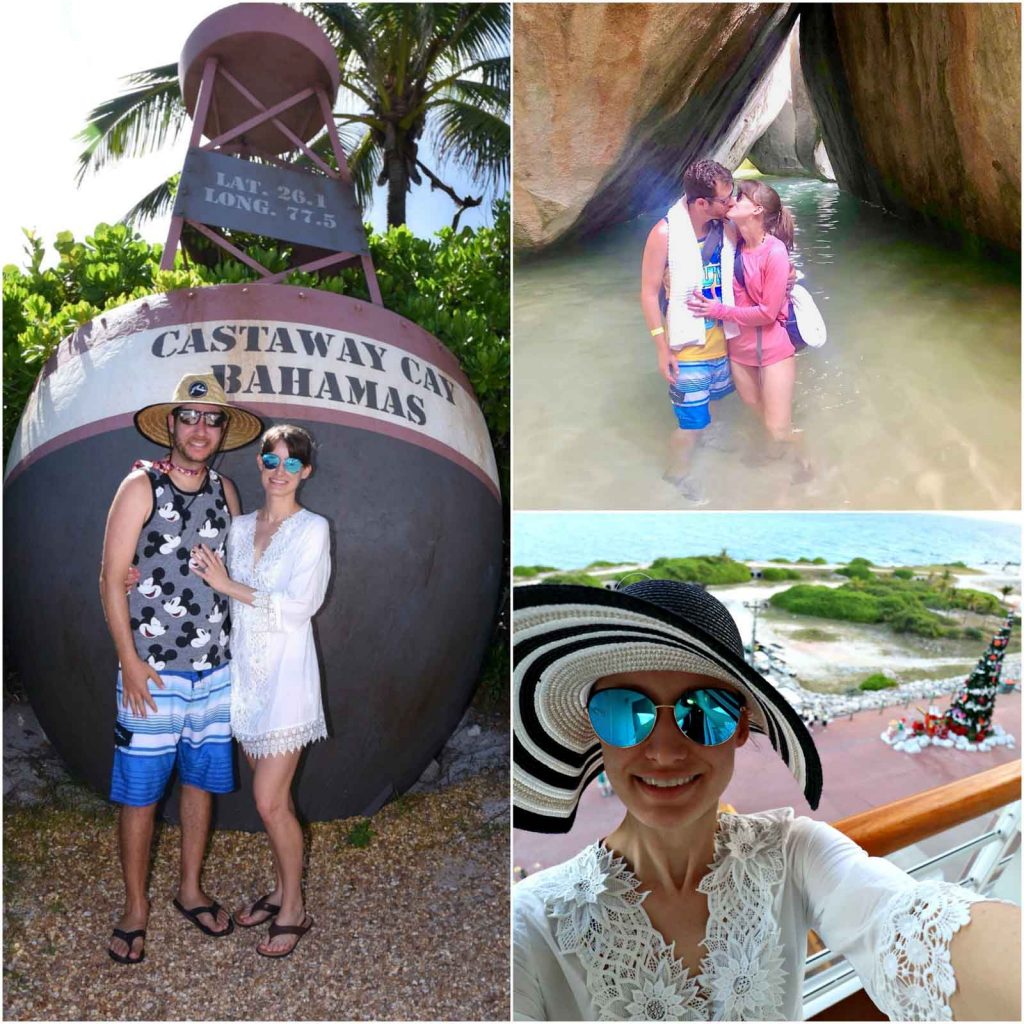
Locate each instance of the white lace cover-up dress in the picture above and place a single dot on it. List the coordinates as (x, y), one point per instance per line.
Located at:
(276, 705)
(585, 949)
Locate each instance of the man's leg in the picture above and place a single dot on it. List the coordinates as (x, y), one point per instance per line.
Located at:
(205, 767)
(691, 398)
(196, 808)
(135, 840)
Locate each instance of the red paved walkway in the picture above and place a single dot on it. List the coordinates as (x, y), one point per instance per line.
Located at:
(860, 771)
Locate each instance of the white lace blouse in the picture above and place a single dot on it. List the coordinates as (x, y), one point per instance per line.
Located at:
(275, 678)
(584, 947)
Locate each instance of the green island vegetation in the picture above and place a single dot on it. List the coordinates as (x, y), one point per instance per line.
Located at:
(906, 605)
(878, 681)
(601, 564)
(528, 571)
(707, 569)
(781, 561)
(579, 578)
(778, 575)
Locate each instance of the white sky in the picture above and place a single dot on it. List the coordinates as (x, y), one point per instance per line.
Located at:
(58, 60)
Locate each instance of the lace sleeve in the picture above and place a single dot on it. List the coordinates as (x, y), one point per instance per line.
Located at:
(300, 571)
(913, 976)
(894, 931)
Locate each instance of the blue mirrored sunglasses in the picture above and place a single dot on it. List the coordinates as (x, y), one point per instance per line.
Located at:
(272, 461)
(624, 718)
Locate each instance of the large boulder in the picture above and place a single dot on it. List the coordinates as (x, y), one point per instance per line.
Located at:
(792, 144)
(919, 106)
(613, 101)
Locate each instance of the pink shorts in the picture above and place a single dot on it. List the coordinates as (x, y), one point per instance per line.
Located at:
(775, 346)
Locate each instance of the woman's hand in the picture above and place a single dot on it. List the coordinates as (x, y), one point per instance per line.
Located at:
(698, 305)
(131, 577)
(209, 567)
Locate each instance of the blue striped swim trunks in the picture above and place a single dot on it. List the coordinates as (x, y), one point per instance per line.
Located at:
(697, 383)
(191, 728)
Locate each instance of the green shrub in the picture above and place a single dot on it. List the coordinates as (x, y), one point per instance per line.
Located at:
(903, 574)
(580, 578)
(857, 572)
(829, 603)
(878, 681)
(600, 564)
(782, 561)
(532, 570)
(706, 569)
(819, 561)
(973, 633)
(778, 575)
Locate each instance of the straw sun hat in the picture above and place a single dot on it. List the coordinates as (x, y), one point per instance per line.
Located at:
(565, 638)
(199, 389)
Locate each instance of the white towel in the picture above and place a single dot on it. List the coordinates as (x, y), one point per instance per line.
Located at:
(686, 272)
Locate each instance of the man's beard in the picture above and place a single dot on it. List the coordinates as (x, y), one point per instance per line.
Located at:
(178, 449)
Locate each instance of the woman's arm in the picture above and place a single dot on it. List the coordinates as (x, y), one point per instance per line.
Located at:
(773, 298)
(210, 568)
(985, 955)
(924, 949)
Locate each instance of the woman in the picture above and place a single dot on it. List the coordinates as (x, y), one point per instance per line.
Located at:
(279, 561)
(761, 356)
(682, 913)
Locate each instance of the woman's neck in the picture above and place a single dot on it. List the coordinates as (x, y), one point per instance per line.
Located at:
(673, 860)
(277, 509)
(753, 233)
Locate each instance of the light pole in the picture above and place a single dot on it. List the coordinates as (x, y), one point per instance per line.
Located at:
(755, 607)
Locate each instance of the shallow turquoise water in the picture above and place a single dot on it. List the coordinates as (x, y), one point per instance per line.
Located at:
(912, 403)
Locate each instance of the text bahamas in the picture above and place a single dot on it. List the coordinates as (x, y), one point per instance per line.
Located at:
(302, 381)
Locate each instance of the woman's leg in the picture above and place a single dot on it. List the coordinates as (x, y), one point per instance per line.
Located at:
(272, 780)
(777, 385)
(748, 385)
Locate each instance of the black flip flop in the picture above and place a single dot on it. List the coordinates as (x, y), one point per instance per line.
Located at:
(287, 929)
(128, 938)
(213, 909)
(261, 906)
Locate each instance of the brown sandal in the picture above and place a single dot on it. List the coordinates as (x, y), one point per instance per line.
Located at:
(287, 929)
(261, 906)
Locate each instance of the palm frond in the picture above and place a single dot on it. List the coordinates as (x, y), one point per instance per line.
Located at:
(476, 139)
(155, 203)
(137, 122)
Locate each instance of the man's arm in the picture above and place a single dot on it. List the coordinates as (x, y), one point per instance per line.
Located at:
(652, 274)
(129, 510)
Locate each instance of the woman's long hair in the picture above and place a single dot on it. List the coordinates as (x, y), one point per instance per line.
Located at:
(778, 221)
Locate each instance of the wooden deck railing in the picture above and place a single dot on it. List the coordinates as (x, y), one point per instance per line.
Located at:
(892, 827)
(883, 830)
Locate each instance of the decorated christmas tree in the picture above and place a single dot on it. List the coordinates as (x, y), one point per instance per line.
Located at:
(970, 714)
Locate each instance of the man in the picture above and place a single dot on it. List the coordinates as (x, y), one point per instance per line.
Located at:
(171, 635)
(694, 359)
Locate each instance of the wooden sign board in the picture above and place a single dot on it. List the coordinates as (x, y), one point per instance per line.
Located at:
(283, 203)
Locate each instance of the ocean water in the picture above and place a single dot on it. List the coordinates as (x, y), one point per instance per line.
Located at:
(572, 540)
(913, 403)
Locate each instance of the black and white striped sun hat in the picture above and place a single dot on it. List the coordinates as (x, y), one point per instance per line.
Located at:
(564, 638)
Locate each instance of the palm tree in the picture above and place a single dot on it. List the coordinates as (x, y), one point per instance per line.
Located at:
(408, 71)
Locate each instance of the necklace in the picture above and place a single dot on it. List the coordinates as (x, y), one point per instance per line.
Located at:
(166, 465)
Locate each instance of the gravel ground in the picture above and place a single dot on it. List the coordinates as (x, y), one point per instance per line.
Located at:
(412, 926)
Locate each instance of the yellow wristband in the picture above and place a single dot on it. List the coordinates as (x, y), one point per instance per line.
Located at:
(656, 331)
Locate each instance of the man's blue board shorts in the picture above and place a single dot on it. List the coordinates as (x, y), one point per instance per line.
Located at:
(697, 383)
(191, 730)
